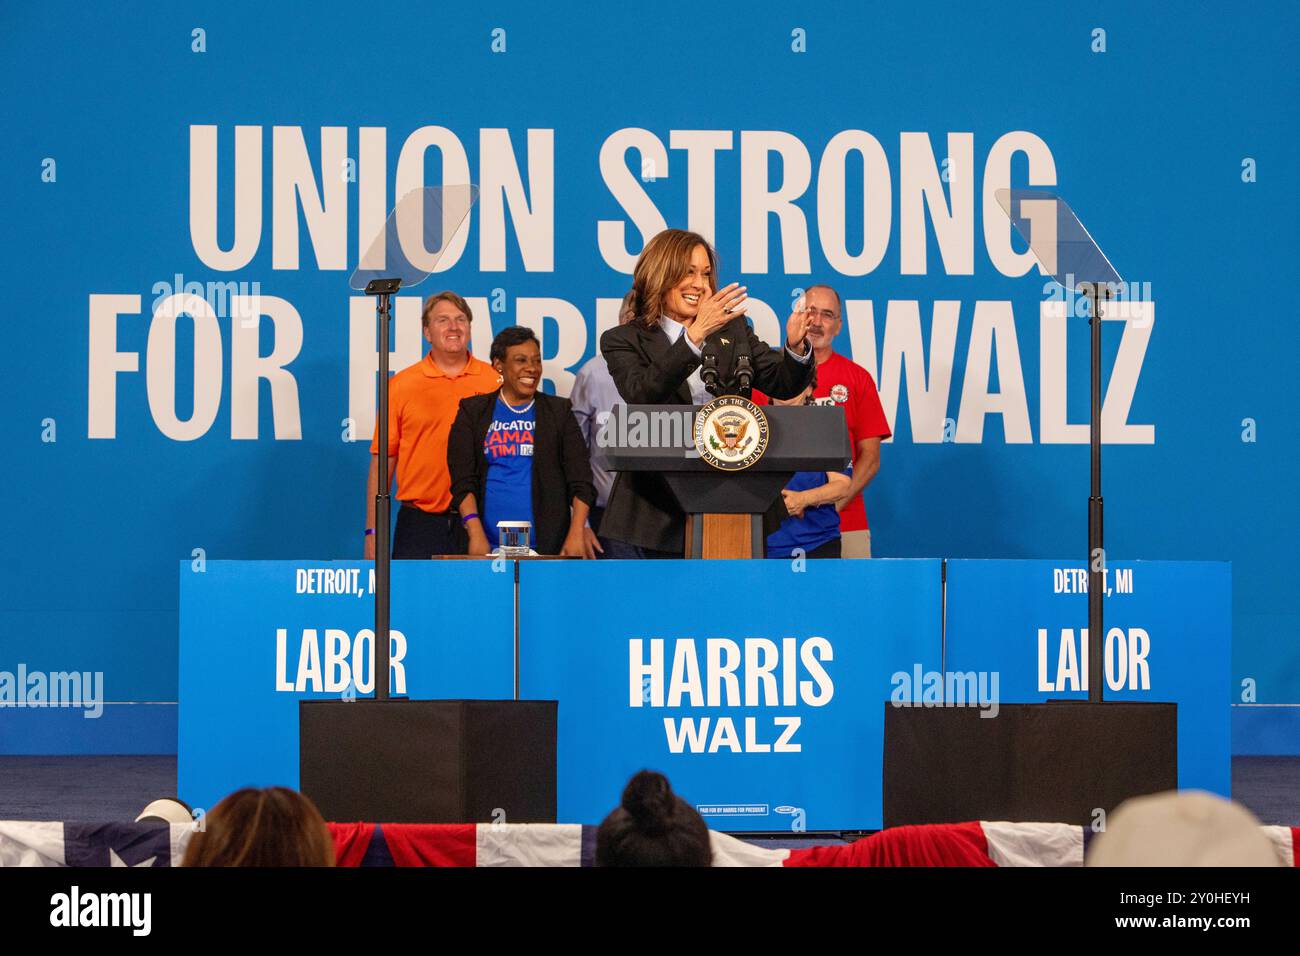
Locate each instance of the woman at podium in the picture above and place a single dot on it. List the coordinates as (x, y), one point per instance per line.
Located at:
(687, 341)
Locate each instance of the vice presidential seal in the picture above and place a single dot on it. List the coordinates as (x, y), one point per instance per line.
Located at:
(731, 433)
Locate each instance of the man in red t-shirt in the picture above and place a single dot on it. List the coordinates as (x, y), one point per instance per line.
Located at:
(841, 381)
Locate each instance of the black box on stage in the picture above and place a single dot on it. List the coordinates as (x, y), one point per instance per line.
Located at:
(429, 761)
(1053, 763)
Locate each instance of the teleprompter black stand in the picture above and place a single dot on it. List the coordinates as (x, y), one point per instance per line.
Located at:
(383, 290)
(1060, 761)
(392, 760)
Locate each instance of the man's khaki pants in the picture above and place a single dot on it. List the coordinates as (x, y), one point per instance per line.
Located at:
(855, 544)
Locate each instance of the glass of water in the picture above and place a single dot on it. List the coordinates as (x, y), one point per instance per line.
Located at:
(514, 536)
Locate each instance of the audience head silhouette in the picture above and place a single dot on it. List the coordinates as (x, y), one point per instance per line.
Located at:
(1182, 828)
(271, 827)
(652, 827)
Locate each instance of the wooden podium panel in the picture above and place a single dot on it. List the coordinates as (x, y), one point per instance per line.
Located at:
(724, 536)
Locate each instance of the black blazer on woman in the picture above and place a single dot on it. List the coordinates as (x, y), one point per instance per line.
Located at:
(561, 467)
(648, 371)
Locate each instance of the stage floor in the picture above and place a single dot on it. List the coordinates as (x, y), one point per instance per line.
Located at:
(101, 788)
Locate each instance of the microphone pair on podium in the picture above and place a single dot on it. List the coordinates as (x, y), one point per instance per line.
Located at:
(740, 384)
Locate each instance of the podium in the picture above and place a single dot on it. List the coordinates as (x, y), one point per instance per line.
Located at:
(724, 509)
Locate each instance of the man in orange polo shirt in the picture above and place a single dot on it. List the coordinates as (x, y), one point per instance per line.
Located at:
(422, 404)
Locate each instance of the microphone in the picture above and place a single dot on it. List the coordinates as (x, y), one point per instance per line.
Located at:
(744, 376)
(709, 370)
(743, 368)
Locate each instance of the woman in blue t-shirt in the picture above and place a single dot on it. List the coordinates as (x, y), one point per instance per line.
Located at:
(517, 455)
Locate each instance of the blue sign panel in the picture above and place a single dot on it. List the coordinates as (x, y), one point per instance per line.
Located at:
(756, 686)
(257, 637)
(1168, 638)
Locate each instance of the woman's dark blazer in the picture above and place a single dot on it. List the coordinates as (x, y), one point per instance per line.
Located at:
(561, 467)
(648, 371)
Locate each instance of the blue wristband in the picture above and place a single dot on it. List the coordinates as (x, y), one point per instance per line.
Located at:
(370, 531)
(466, 519)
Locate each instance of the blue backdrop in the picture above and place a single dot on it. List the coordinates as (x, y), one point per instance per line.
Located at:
(136, 442)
